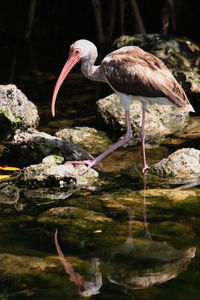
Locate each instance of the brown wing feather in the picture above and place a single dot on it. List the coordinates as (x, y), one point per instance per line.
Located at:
(132, 71)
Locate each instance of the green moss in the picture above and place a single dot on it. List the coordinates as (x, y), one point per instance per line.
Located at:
(6, 113)
(172, 174)
(15, 123)
(58, 159)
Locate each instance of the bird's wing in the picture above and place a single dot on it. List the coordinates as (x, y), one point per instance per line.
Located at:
(165, 82)
(132, 71)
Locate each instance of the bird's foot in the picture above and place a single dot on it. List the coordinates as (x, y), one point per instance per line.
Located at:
(88, 163)
(144, 169)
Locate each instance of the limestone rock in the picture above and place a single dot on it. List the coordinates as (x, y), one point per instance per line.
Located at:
(93, 141)
(161, 120)
(16, 111)
(51, 173)
(76, 212)
(31, 146)
(183, 163)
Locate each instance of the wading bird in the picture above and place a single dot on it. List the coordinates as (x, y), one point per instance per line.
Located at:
(134, 75)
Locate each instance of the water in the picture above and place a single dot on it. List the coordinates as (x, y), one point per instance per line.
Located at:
(123, 239)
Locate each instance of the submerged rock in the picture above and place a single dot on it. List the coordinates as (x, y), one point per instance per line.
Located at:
(9, 194)
(182, 164)
(51, 173)
(31, 146)
(16, 111)
(161, 120)
(77, 213)
(93, 141)
(21, 264)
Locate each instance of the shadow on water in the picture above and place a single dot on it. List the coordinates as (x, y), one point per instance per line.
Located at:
(108, 246)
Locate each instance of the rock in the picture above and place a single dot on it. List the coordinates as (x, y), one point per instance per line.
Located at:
(50, 173)
(31, 146)
(53, 159)
(161, 120)
(16, 111)
(191, 82)
(191, 131)
(182, 164)
(93, 141)
(173, 197)
(177, 53)
(146, 41)
(9, 194)
(77, 213)
(21, 264)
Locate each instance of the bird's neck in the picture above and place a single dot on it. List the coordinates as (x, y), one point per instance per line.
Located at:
(91, 71)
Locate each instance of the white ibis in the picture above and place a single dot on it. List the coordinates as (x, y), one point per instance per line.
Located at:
(134, 75)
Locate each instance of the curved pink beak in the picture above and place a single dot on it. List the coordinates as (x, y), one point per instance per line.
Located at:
(72, 60)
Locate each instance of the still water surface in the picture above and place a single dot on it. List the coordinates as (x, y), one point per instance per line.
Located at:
(122, 240)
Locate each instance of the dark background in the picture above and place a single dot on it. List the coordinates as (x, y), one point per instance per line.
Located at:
(74, 19)
(34, 63)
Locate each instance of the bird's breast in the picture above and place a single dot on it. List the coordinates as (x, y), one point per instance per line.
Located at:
(128, 99)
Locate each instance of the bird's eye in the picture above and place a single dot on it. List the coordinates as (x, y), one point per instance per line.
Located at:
(77, 51)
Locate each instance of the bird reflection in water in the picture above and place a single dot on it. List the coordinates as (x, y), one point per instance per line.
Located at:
(85, 288)
(142, 262)
(74, 276)
(138, 263)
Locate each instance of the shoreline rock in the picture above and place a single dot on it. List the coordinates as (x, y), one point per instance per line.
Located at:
(31, 146)
(50, 172)
(183, 164)
(95, 142)
(16, 112)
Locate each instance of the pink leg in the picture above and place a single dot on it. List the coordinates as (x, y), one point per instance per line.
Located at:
(84, 162)
(126, 138)
(144, 105)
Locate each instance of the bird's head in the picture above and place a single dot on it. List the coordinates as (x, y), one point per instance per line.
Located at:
(84, 48)
(80, 50)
